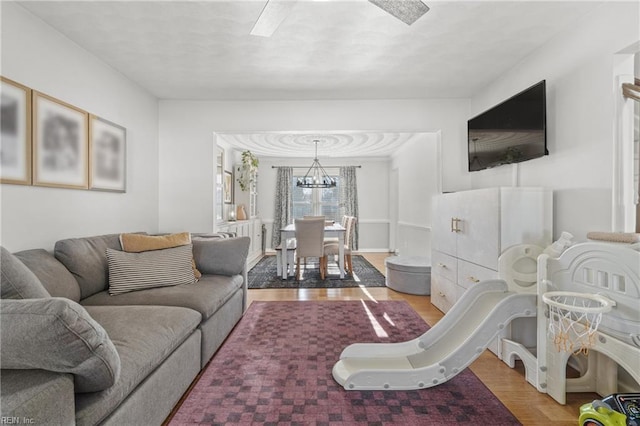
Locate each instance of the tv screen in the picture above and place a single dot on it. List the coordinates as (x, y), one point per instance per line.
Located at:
(510, 132)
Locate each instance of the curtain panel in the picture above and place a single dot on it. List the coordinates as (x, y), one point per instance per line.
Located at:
(283, 209)
(349, 197)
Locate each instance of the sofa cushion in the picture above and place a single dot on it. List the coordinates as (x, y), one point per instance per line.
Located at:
(204, 296)
(144, 337)
(55, 278)
(224, 256)
(137, 243)
(17, 281)
(86, 259)
(149, 269)
(57, 334)
(37, 397)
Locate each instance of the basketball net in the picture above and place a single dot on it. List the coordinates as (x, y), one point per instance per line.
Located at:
(574, 319)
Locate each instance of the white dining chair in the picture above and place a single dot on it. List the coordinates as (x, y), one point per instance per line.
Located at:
(309, 243)
(333, 248)
(335, 240)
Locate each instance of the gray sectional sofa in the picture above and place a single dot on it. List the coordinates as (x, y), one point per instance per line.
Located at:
(71, 353)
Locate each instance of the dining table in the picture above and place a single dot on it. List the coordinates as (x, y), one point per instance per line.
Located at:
(331, 230)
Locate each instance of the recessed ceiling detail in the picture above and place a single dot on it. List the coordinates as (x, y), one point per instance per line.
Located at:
(330, 145)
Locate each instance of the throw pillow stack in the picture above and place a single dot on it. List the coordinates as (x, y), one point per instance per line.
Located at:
(151, 261)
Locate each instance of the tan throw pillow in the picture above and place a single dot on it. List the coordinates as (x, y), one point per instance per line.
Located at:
(137, 243)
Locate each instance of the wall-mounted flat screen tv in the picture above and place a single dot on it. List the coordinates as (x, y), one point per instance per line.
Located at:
(511, 132)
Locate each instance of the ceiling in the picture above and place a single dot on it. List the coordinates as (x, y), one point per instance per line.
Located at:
(325, 49)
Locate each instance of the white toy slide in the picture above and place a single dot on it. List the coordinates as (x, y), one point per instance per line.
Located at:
(443, 351)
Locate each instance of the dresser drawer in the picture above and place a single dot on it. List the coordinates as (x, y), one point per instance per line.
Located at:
(443, 292)
(444, 265)
(470, 273)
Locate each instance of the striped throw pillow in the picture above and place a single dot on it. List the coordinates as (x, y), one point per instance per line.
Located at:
(149, 269)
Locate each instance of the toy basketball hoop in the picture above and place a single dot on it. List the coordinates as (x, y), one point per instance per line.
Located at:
(574, 319)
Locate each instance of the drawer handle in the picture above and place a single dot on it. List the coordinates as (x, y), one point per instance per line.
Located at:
(473, 279)
(442, 265)
(441, 294)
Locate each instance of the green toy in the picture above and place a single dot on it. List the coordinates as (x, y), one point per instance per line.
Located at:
(618, 409)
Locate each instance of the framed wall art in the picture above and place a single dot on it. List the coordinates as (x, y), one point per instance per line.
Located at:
(228, 187)
(108, 155)
(60, 143)
(15, 132)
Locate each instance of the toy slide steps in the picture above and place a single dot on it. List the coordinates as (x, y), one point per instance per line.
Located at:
(443, 351)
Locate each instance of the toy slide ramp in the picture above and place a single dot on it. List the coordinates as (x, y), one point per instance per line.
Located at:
(443, 351)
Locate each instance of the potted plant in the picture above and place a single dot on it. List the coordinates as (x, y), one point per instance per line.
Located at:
(246, 169)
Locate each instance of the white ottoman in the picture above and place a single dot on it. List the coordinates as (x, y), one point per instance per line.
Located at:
(409, 274)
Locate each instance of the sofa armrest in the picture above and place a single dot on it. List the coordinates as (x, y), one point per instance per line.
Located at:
(221, 256)
(37, 397)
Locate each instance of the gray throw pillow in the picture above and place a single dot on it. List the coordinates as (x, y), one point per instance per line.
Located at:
(55, 278)
(17, 281)
(57, 334)
(149, 269)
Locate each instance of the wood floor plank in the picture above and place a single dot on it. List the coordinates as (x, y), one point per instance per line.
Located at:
(509, 385)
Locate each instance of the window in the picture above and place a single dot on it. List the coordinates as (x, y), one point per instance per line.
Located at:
(316, 201)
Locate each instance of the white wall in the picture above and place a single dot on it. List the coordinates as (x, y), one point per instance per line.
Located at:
(579, 67)
(187, 153)
(418, 166)
(41, 58)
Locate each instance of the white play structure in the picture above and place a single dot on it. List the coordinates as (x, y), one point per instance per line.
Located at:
(591, 293)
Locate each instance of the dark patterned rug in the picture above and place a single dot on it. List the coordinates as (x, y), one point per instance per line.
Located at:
(263, 275)
(275, 368)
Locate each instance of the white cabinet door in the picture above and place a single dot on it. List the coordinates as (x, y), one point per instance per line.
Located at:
(479, 227)
(256, 240)
(444, 211)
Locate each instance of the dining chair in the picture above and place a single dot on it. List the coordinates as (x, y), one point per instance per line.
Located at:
(335, 240)
(333, 248)
(309, 243)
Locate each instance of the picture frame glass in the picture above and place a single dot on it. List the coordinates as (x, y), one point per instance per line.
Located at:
(228, 187)
(61, 144)
(15, 135)
(108, 155)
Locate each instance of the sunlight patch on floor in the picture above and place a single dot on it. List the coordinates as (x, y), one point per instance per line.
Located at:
(374, 322)
(388, 319)
(367, 293)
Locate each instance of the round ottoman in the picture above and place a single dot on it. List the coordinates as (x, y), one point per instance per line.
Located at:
(409, 274)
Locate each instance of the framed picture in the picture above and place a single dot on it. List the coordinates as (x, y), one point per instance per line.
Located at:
(228, 187)
(15, 132)
(60, 143)
(108, 155)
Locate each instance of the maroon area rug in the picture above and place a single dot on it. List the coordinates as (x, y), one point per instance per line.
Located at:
(275, 368)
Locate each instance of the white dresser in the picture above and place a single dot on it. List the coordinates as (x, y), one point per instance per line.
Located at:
(472, 228)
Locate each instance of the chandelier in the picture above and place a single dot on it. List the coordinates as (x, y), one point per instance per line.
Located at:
(316, 176)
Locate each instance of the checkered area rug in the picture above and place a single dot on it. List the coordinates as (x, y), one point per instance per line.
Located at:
(275, 368)
(263, 275)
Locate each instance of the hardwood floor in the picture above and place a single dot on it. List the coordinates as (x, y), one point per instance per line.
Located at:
(509, 385)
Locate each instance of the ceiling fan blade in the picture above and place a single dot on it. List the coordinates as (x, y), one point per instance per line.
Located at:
(274, 12)
(408, 11)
